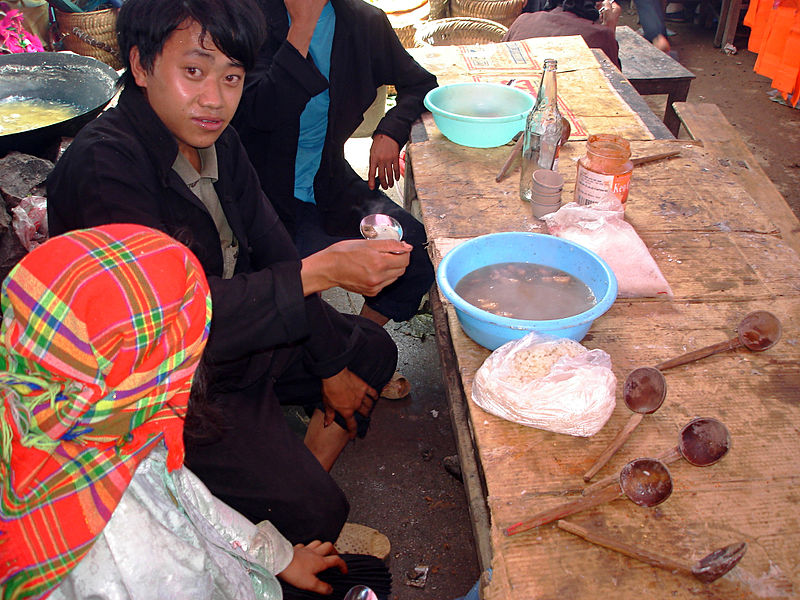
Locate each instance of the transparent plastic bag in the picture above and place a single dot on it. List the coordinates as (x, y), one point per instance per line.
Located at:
(29, 220)
(548, 383)
(602, 228)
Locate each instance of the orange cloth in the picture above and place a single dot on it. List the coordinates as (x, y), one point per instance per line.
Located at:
(775, 37)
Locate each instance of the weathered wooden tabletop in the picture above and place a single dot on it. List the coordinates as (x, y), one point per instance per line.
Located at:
(723, 257)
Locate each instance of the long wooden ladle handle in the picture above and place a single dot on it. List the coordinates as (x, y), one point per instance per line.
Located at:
(640, 160)
(668, 457)
(607, 541)
(516, 151)
(568, 508)
(730, 344)
(615, 445)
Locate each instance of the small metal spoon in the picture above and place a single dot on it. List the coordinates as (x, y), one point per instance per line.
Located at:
(703, 442)
(645, 481)
(360, 592)
(643, 392)
(381, 227)
(707, 569)
(758, 331)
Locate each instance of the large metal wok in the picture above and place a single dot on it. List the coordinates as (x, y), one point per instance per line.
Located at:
(78, 80)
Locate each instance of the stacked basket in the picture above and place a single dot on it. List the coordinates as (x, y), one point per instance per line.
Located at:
(500, 11)
(91, 34)
(458, 31)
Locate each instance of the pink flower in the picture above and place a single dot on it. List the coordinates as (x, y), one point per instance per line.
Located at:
(13, 36)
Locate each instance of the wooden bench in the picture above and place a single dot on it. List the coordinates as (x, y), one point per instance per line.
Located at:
(707, 123)
(651, 71)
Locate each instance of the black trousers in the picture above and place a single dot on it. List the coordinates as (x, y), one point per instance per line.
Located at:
(262, 468)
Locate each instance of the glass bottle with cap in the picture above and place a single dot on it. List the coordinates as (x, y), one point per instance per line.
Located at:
(542, 130)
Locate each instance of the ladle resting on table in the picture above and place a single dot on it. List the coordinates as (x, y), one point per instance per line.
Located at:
(709, 568)
(703, 442)
(643, 392)
(644, 481)
(645, 387)
(758, 331)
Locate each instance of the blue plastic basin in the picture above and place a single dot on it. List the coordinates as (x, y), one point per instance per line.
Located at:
(490, 330)
(477, 114)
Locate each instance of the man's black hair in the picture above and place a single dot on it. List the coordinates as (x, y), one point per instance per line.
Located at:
(236, 27)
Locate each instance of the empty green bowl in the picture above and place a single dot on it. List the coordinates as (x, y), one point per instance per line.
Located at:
(477, 114)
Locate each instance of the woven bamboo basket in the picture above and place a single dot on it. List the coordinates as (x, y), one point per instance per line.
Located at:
(406, 35)
(406, 18)
(500, 11)
(91, 34)
(458, 31)
(440, 9)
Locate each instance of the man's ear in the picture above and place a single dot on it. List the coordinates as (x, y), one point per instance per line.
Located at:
(137, 70)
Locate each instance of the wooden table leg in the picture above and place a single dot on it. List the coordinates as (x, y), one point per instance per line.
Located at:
(678, 94)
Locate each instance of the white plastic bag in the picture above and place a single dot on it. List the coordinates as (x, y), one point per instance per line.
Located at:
(602, 228)
(548, 383)
(29, 220)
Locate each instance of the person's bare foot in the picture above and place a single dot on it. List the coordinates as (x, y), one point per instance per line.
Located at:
(662, 43)
(325, 443)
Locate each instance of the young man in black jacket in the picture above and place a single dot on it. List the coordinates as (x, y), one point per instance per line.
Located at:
(316, 74)
(166, 158)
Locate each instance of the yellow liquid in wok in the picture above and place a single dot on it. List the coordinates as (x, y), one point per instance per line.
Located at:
(18, 114)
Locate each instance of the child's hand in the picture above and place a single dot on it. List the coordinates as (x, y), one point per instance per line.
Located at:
(307, 562)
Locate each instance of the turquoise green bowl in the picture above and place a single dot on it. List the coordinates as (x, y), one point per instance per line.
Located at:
(477, 114)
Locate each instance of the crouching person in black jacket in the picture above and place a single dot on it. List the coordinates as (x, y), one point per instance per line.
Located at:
(165, 157)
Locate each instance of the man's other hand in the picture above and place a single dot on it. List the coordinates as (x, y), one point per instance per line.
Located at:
(346, 393)
(384, 161)
(304, 15)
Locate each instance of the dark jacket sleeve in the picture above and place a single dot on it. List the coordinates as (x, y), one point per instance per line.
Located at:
(327, 349)
(412, 81)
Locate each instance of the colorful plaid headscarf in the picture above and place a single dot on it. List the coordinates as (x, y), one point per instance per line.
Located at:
(102, 331)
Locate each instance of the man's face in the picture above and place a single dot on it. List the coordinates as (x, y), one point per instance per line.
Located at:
(193, 88)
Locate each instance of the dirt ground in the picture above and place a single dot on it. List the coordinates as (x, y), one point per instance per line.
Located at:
(395, 479)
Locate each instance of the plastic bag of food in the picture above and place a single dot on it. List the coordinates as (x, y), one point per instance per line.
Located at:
(602, 228)
(29, 219)
(549, 383)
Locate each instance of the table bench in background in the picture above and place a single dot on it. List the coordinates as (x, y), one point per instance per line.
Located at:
(651, 71)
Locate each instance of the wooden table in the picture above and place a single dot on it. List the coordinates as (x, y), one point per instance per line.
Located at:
(727, 246)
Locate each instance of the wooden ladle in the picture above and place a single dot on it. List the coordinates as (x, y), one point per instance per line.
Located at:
(758, 331)
(645, 481)
(703, 442)
(643, 392)
(707, 569)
